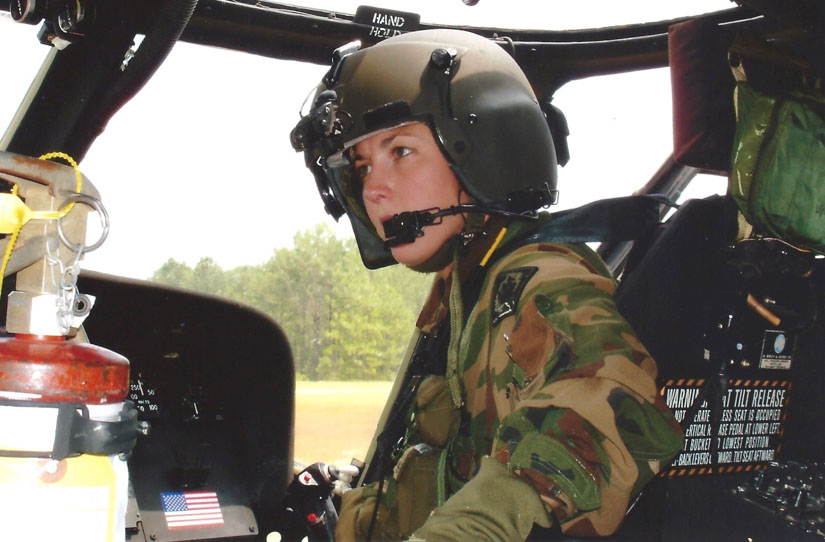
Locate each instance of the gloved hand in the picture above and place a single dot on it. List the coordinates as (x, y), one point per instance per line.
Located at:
(324, 479)
(494, 505)
(309, 495)
(343, 477)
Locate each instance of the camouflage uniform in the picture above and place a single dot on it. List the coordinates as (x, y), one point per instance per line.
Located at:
(554, 385)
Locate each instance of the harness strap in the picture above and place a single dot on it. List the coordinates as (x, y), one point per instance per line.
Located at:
(615, 219)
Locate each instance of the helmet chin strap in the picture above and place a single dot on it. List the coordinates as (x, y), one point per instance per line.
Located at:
(473, 224)
(408, 226)
(445, 254)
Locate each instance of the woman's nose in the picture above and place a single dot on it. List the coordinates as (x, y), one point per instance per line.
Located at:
(377, 185)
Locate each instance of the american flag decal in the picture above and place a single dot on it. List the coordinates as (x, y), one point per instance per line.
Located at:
(191, 509)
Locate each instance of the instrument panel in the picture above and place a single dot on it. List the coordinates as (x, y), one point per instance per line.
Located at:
(215, 381)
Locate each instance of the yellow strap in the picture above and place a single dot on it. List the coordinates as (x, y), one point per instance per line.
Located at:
(14, 214)
(9, 247)
(7, 255)
(493, 248)
(78, 175)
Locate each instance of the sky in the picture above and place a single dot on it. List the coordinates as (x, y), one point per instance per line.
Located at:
(199, 163)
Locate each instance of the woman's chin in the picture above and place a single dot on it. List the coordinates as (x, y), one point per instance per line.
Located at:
(407, 254)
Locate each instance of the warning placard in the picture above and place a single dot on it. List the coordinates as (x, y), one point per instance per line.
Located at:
(749, 430)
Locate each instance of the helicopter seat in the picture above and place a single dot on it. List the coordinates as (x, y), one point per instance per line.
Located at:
(670, 280)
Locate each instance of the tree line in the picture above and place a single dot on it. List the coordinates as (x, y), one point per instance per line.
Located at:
(343, 321)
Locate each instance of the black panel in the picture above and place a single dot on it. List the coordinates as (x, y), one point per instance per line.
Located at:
(685, 294)
(216, 381)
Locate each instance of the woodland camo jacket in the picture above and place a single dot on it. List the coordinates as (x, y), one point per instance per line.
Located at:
(555, 384)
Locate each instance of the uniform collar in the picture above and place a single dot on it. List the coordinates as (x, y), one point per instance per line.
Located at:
(477, 252)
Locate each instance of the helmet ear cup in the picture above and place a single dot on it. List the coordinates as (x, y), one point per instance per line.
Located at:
(510, 145)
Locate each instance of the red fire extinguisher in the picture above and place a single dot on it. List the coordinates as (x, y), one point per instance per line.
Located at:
(66, 428)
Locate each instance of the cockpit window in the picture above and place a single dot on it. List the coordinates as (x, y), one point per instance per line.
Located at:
(20, 63)
(620, 134)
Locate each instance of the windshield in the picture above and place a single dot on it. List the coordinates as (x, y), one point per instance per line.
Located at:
(199, 164)
(21, 62)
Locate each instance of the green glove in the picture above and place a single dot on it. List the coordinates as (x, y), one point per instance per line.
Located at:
(496, 505)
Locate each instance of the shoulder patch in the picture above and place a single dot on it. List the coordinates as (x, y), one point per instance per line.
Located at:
(507, 291)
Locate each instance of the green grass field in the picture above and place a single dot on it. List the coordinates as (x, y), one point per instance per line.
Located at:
(334, 421)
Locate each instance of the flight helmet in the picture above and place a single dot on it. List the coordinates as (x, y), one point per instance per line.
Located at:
(471, 93)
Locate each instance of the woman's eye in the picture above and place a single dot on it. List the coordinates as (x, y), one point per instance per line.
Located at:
(401, 152)
(362, 170)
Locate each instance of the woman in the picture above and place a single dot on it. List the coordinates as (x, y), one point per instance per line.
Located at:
(527, 401)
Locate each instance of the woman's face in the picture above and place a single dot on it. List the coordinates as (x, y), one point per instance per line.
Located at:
(402, 169)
